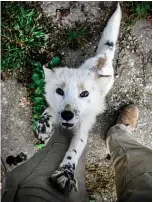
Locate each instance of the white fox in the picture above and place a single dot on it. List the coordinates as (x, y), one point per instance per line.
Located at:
(76, 96)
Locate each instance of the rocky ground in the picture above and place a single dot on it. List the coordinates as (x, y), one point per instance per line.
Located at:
(133, 78)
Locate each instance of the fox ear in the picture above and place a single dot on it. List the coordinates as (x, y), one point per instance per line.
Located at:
(100, 64)
(103, 66)
(48, 74)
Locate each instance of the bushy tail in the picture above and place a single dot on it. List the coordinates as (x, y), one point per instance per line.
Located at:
(110, 34)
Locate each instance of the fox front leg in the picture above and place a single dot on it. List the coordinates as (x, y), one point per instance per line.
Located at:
(65, 174)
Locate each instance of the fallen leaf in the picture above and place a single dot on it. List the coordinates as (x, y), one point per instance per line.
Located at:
(24, 102)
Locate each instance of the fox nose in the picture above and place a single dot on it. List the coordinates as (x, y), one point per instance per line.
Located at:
(67, 115)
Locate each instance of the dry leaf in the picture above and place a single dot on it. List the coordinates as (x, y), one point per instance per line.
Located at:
(24, 102)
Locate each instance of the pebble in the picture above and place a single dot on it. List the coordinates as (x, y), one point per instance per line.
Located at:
(130, 38)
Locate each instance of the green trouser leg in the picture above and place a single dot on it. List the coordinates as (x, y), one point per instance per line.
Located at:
(31, 182)
(132, 164)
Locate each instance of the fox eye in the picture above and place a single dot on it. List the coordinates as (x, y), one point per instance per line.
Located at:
(84, 94)
(60, 91)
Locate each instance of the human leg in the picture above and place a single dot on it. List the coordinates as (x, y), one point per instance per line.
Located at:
(132, 161)
(31, 181)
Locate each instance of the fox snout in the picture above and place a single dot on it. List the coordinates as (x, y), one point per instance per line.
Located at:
(67, 115)
(68, 112)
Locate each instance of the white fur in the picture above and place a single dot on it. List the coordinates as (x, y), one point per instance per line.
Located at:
(111, 32)
(97, 81)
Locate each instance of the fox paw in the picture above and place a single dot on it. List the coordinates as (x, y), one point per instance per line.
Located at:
(64, 177)
(44, 127)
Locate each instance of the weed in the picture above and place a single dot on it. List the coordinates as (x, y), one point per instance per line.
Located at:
(37, 89)
(77, 37)
(141, 9)
(21, 33)
(37, 92)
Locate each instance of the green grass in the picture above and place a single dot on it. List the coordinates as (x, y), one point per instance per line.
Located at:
(25, 33)
(77, 37)
(141, 9)
(37, 90)
(21, 34)
(37, 93)
(134, 11)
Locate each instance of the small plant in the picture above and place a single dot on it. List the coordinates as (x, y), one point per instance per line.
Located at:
(21, 34)
(37, 89)
(77, 37)
(142, 9)
(37, 93)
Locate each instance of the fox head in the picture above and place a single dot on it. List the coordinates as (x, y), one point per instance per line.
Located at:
(72, 94)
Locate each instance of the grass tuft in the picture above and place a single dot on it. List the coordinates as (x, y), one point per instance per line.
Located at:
(21, 34)
(77, 37)
(141, 9)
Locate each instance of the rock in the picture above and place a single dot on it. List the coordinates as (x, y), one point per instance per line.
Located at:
(17, 134)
